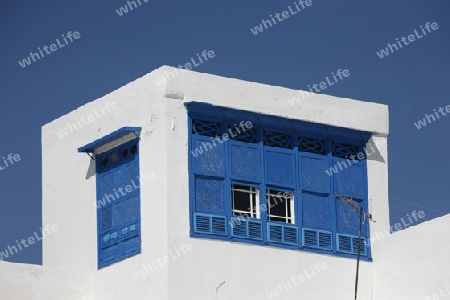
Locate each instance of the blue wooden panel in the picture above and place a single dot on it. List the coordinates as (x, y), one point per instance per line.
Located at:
(209, 195)
(118, 214)
(347, 218)
(319, 239)
(208, 159)
(119, 218)
(106, 218)
(245, 162)
(132, 209)
(109, 254)
(280, 167)
(313, 174)
(107, 185)
(315, 211)
(132, 245)
(349, 181)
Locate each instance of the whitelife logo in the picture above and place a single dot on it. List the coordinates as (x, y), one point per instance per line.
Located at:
(123, 10)
(71, 36)
(284, 15)
(89, 119)
(423, 122)
(187, 66)
(411, 38)
(11, 158)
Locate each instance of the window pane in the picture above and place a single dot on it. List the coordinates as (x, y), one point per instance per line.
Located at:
(244, 200)
(280, 206)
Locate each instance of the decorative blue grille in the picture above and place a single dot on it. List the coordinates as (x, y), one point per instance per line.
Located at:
(206, 128)
(312, 145)
(239, 134)
(277, 139)
(344, 150)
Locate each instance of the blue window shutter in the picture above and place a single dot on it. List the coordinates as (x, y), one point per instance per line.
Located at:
(296, 156)
(246, 228)
(209, 195)
(320, 239)
(349, 181)
(280, 233)
(210, 224)
(347, 218)
(119, 208)
(349, 244)
(245, 161)
(315, 211)
(280, 167)
(208, 158)
(313, 173)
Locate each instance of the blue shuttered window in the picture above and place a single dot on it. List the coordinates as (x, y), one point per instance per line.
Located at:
(118, 205)
(294, 168)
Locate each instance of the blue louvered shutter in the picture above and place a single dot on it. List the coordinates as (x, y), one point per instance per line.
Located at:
(349, 244)
(280, 233)
(210, 224)
(119, 206)
(246, 228)
(319, 239)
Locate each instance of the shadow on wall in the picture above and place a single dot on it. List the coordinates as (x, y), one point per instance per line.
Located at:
(91, 169)
(372, 150)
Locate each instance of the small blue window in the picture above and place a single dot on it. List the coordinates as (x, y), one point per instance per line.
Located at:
(118, 197)
(273, 181)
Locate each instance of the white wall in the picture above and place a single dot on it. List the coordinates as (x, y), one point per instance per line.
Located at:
(33, 282)
(414, 263)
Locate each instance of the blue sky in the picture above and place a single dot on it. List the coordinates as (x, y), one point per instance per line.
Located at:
(299, 51)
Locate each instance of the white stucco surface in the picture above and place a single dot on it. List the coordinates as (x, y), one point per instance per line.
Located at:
(212, 269)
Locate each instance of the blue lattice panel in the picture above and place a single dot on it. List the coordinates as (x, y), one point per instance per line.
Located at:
(132, 209)
(347, 218)
(280, 167)
(245, 162)
(209, 195)
(349, 180)
(208, 159)
(205, 128)
(315, 212)
(106, 218)
(312, 145)
(313, 174)
(345, 150)
(277, 139)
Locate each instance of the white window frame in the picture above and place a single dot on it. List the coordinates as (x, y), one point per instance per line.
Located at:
(290, 195)
(254, 211)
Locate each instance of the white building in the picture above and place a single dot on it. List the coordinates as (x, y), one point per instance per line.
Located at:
(153, 211)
